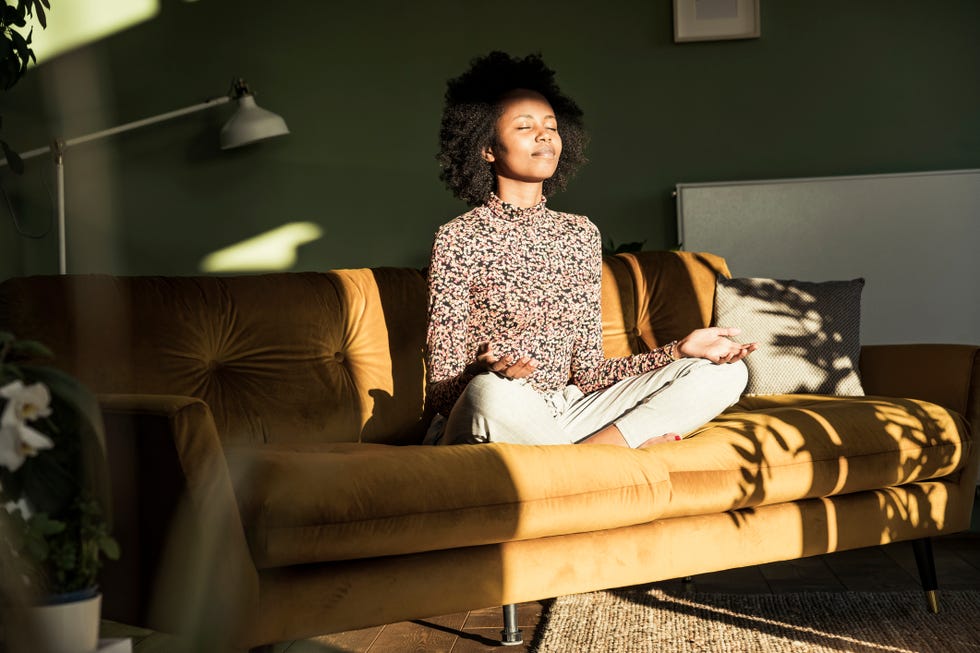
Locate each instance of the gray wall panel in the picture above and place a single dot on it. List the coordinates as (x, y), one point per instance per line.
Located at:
(913, 237)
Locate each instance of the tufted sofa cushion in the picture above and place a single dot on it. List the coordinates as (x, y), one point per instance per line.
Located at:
(293, 357)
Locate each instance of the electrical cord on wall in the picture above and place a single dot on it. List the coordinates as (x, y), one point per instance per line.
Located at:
(13, 214)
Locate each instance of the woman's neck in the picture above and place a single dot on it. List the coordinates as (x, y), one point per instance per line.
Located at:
(519, 193)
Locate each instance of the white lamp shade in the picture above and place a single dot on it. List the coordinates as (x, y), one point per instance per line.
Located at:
(251, 123)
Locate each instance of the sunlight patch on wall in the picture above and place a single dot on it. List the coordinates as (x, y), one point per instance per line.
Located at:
(74, 23)
(274, 250)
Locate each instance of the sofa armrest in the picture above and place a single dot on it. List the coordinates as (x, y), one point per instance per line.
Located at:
(176, 518)
(948, 375)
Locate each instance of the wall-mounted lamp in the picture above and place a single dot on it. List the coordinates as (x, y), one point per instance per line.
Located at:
(249, 123)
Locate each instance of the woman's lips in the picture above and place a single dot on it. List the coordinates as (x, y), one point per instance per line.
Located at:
(547, 152)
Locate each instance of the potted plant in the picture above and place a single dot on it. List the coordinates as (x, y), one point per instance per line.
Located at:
(53, 493)
(16, 53)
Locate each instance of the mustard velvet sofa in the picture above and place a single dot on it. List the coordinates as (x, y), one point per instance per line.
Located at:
(270, 484)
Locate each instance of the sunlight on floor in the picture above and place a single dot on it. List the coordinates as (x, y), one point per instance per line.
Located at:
(791, 627)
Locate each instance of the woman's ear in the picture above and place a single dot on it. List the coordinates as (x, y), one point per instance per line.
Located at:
(488, 154)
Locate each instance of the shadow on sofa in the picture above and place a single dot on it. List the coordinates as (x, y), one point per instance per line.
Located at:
(267, 475)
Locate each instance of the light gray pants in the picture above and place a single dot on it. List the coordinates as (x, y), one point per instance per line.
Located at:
(676, 398)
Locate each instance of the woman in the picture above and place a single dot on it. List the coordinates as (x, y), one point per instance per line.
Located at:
(514, 345)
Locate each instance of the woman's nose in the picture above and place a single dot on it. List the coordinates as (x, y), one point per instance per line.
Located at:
(544, 134)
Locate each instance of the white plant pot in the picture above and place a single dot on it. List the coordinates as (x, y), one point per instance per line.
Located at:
(68, 627)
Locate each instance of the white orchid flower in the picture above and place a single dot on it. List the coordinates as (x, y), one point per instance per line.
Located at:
(19, 441)
(21, 505)
(25, 402)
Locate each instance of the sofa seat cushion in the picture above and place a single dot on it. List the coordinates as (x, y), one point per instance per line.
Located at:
(767, 450)
(340, 501)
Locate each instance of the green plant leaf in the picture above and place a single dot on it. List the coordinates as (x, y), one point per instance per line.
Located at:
(109, 547)
(25, 349)
(83, 429)
(43, 525)
(5, 48)
(14, 16)
(20, 44)
(39, 12)
(54, 479)
(10, 372)
(37, 548)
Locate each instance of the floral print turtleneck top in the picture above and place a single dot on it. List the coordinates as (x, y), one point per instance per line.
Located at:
(527, 281)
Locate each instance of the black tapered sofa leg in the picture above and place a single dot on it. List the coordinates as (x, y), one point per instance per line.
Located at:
(926, 563)
(511, 635)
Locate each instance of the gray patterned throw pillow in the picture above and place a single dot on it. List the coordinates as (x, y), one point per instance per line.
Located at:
(808, 333)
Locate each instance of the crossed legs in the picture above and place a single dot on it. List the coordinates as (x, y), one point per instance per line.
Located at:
(676, 398)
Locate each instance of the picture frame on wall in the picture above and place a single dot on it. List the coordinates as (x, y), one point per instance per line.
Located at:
(716, 20)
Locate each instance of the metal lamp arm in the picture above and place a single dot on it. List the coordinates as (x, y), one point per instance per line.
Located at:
(136, 124)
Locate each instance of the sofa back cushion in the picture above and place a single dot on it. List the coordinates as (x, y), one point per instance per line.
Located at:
(651, 298)
(291, 357)
(303, 356)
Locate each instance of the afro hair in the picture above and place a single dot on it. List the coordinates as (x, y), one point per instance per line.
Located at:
(473, 104)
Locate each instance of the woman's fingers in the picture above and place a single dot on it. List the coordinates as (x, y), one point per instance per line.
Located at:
(501, 364)
(725, 332)
(524, 367)
(484, 357)
(730, 352)
(504, 365)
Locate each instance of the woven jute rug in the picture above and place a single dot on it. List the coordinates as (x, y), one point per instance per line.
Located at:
(636, 620)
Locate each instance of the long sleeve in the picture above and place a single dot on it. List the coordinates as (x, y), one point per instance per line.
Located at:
(446, 355)
(589, 368)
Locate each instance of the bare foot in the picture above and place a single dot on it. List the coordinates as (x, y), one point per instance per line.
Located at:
(657, 439)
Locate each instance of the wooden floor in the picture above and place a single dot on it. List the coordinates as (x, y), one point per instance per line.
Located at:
(883, 568)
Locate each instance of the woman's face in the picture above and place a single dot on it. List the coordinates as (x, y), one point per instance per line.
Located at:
(527, 145)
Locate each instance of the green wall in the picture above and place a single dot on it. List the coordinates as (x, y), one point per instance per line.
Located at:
(831, 88)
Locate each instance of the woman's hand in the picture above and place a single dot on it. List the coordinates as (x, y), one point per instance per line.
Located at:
(713, 344)
(505, 366)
